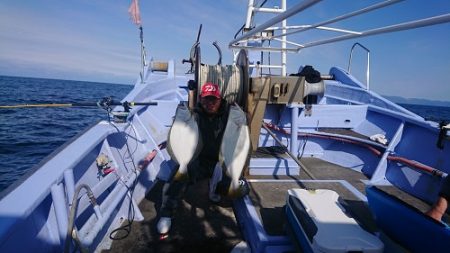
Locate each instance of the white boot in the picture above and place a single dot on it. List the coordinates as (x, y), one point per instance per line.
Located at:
(216, 178)
(163, 225)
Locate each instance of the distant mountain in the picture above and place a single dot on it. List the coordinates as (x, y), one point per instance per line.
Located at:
(417, 101)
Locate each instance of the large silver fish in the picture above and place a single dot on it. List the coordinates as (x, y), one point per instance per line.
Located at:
(235, 148)
(183, 140)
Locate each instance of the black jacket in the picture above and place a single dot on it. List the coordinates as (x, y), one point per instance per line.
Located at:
(211, 130)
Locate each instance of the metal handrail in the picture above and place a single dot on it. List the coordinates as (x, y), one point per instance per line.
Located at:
(368, 62)
(237, 42)
(292, 11)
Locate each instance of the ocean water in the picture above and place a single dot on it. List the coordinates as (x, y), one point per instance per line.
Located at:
(433, 113)
(30, 134)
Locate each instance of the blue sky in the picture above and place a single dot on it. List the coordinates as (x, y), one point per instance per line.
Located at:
(95, 40)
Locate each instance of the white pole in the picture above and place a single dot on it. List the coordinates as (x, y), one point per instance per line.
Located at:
(386, 29)
(283, 40)
(342, 17)
(249, 13)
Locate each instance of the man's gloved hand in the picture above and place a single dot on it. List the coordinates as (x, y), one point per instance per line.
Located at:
(445, 189)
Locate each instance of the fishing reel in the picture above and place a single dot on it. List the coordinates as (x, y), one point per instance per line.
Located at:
(103, 165)
(107, 104)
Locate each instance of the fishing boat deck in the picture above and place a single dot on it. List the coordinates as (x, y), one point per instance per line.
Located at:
(198, 225)
(268, 193)
(349, 184)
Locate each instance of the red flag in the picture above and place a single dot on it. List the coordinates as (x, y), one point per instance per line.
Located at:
(134, 12)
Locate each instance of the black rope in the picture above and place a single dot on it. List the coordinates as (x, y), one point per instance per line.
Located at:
(303, 148)
(105, 104)
(240, 29)
(131, 212)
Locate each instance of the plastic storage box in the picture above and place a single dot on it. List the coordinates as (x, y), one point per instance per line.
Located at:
(319, 224)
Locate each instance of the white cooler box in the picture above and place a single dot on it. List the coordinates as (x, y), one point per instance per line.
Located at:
(319, 224)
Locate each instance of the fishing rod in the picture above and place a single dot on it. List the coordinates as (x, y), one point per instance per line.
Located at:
(104, 103)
